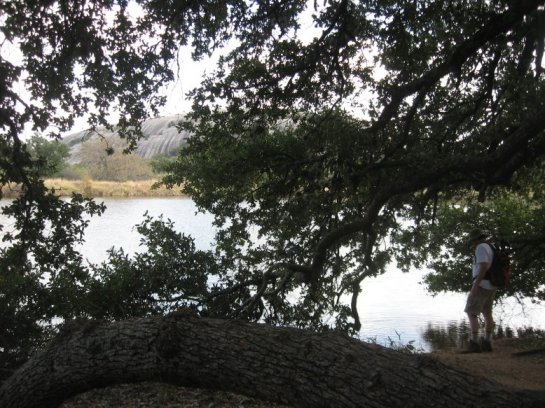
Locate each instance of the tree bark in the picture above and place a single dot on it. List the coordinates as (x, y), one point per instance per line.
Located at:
(285, 365)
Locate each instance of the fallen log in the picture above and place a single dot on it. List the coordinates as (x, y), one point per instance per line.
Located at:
(285, 365)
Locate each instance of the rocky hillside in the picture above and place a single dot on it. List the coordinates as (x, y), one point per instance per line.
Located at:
(161, 138)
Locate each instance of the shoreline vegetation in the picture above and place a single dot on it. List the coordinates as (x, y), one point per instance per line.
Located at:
(94, 188)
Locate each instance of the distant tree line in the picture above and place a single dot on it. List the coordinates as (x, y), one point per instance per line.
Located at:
(101, 161)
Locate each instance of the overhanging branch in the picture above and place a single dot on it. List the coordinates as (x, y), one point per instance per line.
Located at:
(495, 27)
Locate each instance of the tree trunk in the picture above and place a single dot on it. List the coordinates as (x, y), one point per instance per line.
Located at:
(285, 365)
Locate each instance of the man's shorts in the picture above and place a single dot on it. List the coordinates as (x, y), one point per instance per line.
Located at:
(482, 303)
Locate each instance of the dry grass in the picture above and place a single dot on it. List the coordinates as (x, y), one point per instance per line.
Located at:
(93, 188)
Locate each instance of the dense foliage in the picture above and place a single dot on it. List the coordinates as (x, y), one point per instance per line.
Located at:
(514, 216)
(388, 135)
(49, 155)
(333, 137)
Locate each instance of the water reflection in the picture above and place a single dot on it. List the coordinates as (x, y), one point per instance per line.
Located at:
(456, 334)
(446, 337)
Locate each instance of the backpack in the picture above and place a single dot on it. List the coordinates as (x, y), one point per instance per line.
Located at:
(500, 270)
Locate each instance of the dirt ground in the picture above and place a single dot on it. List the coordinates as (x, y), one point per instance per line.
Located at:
(503, 365)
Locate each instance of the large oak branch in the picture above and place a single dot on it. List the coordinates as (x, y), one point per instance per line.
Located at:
(497, 26)
(291, 366)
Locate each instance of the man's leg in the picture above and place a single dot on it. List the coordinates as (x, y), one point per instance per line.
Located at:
(474, 326)
(473, 309)
(488, 325)
(486, 343)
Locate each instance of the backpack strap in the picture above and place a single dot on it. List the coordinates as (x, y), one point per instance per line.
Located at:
(493, 249)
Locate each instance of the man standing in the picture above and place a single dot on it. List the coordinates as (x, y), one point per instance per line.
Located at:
(481, 296)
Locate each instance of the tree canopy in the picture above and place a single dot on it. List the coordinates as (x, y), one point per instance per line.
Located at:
(333, 137)
(342, 152)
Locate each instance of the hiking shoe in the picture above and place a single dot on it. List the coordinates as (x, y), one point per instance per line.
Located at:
(486, 346)
(472, 347)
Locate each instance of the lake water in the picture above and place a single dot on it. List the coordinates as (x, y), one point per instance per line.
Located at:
(393, 308)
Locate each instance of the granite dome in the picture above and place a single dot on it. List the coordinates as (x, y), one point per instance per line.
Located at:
(160, 138)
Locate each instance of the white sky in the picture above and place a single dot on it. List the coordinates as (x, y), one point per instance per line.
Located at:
(191, 72)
